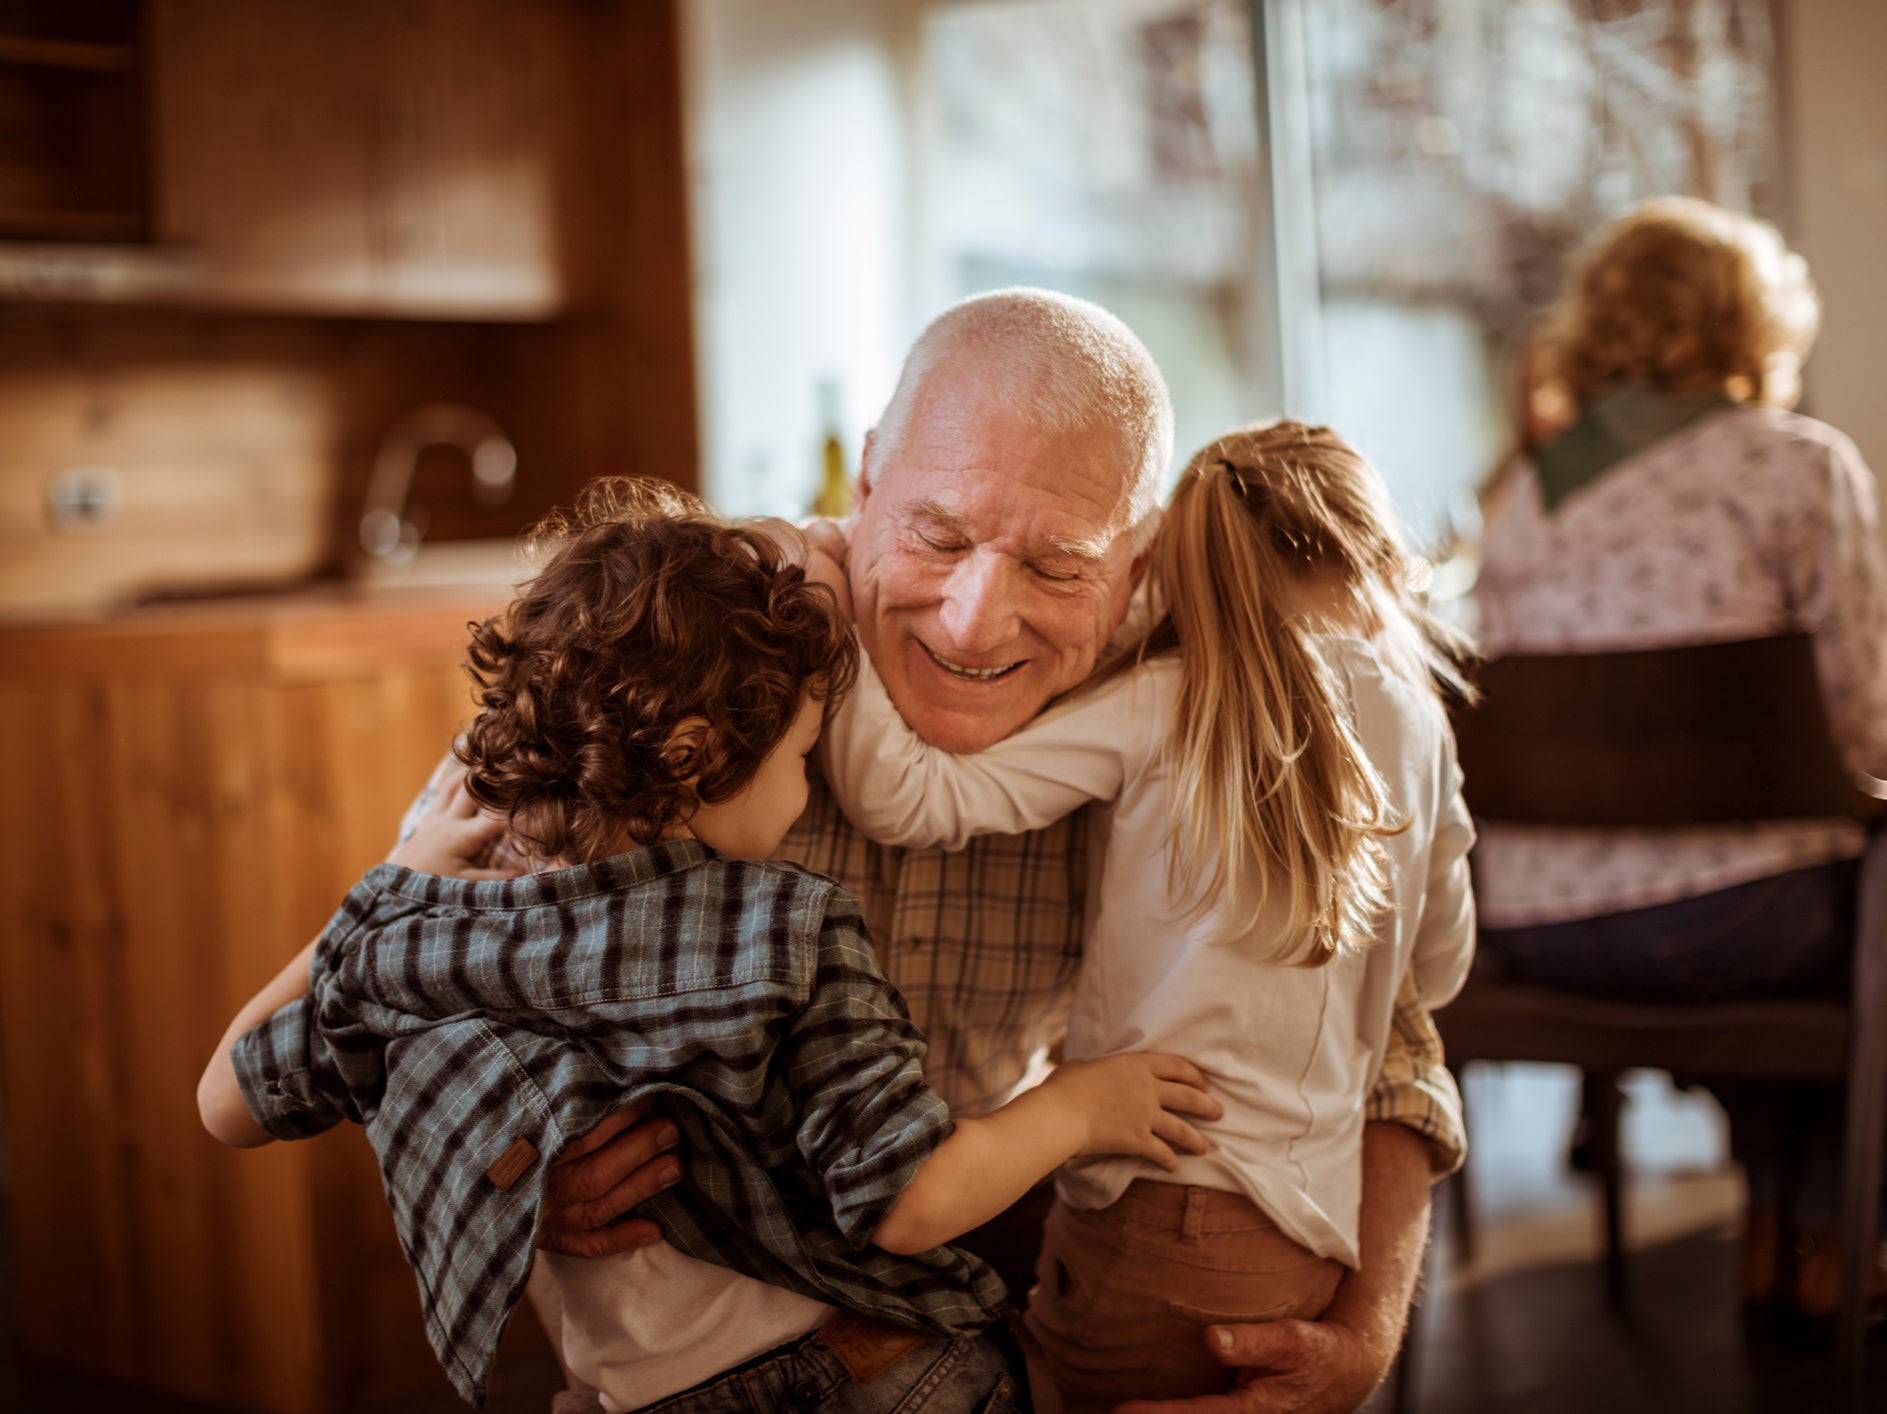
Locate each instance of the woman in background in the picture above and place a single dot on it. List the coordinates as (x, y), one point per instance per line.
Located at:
(1685, 505)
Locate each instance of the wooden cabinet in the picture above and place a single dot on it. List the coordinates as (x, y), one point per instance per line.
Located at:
(73, 162)
(406, 158)
(386, 156)
(189, 795)
(527, 158)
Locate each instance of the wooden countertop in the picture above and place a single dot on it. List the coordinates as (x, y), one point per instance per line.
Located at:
(314, 634)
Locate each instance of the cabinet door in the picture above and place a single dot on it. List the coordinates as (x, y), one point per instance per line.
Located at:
(366, 156)
(183, 810)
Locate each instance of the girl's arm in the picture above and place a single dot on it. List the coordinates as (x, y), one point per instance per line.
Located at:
(1127, 1104)
(901, 790)
(1444, 939)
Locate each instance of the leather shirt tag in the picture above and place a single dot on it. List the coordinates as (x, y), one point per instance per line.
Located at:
(867, 1347)
(512, 1164)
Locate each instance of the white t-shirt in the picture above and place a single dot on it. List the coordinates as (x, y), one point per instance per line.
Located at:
(646, 1324)
(1290, 1052)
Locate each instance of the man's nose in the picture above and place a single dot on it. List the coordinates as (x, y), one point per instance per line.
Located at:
(979, 603)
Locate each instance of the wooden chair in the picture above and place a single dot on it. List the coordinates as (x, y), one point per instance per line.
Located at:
(1671, 737)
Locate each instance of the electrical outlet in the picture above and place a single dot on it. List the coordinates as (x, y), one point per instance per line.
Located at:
(83, 500)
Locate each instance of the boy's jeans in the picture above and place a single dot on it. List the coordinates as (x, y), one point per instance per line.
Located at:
(968, 1375)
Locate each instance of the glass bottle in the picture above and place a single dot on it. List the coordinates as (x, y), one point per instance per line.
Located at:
(834, 500)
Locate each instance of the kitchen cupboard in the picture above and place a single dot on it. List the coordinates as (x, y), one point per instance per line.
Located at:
(402, 157)
(427, 159)
(510, 234)
(73, 163)
(190, 792)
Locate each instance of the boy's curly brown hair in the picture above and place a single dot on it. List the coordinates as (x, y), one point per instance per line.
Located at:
(651, 610)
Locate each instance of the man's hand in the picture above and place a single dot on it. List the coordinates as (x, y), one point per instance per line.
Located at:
(618, 1164)
(1330, 1366)
(1290, 1367)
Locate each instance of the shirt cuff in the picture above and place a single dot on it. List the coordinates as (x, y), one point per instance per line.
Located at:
(865, 1184)
(272, 1063)
(1428, 1103)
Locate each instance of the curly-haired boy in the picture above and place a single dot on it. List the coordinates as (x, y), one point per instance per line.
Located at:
(648, 702)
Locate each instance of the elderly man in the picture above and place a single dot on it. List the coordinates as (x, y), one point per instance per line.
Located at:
(1006, 501)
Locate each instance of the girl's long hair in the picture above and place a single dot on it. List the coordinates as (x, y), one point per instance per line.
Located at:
(1273, 791)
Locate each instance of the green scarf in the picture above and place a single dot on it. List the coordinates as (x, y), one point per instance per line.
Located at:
(1621, 421)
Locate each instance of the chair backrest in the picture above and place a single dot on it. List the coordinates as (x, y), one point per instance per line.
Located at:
(1667, 736)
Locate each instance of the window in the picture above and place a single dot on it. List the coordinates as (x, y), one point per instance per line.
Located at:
(1457, 150)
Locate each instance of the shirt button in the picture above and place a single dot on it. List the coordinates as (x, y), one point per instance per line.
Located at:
(805, 1395)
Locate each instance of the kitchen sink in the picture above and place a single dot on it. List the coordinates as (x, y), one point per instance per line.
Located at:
(494, 564)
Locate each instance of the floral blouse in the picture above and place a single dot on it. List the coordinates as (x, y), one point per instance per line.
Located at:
(1750, 522)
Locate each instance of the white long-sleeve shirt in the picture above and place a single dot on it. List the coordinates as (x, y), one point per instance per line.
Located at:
(1290, 1052)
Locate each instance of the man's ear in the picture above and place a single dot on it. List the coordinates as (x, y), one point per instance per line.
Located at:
(1138, 569)
(686, 746)
(861, 487)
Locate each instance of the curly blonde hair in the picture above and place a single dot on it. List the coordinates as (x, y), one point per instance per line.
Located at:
(1685, 297)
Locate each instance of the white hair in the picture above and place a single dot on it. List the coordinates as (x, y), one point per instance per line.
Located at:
(1068, 364)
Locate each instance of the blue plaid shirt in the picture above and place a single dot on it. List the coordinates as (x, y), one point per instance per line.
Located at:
(476, 1028)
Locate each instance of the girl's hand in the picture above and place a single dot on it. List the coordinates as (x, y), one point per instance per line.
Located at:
(454, 837)
(827, 537)
(818, 548)
(1134, 1102)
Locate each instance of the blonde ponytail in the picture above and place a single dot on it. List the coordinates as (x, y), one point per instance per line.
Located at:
(1274, 795)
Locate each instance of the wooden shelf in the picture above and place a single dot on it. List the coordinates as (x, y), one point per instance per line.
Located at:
(73, 225)
(67, 54)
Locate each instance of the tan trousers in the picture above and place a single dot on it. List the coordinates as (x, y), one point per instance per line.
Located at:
(1123, 1294)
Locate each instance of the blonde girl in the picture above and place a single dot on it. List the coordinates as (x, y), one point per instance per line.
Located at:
(1281, 849)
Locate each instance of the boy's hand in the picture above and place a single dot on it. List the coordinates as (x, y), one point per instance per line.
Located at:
(618, 1164)
(454, 837)
(1134, 1103)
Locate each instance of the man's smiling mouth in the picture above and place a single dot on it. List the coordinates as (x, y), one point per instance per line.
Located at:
(967, 673)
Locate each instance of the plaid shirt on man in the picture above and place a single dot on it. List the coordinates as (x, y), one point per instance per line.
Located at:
(983, 942)
(475, 1028)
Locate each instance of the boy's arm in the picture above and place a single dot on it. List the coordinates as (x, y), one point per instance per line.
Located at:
(219, 1095)
(900, 790)
(448, 835)
(1127, 1104)
(882, 1140)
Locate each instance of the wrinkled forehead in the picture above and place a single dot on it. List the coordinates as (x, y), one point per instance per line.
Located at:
(979, 449)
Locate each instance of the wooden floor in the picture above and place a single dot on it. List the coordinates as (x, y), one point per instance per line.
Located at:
(1521, 1330)
(1524, 1328)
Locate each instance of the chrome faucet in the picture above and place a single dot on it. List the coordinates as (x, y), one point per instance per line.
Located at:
(386, 533)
